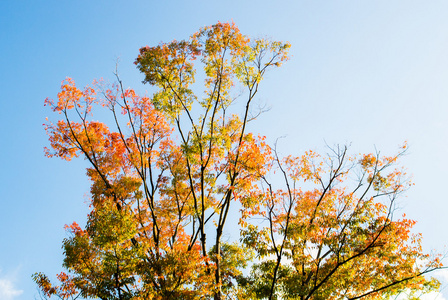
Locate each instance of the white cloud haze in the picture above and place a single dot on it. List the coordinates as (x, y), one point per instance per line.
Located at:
(7, 289)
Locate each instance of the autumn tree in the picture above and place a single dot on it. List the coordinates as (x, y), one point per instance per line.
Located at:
(336, 239)
(172, 167)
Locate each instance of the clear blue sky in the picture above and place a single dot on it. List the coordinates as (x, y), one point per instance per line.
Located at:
(369, 73)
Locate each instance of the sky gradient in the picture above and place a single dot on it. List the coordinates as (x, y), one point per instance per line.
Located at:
(371, 74)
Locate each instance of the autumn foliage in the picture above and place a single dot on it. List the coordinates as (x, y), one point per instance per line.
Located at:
(170, 169)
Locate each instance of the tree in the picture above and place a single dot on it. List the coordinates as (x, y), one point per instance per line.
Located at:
(175, 165)
(336, 239)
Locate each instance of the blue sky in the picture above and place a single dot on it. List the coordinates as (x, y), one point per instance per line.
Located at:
(369, 73)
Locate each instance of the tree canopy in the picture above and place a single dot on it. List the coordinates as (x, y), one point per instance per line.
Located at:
(171, 169)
